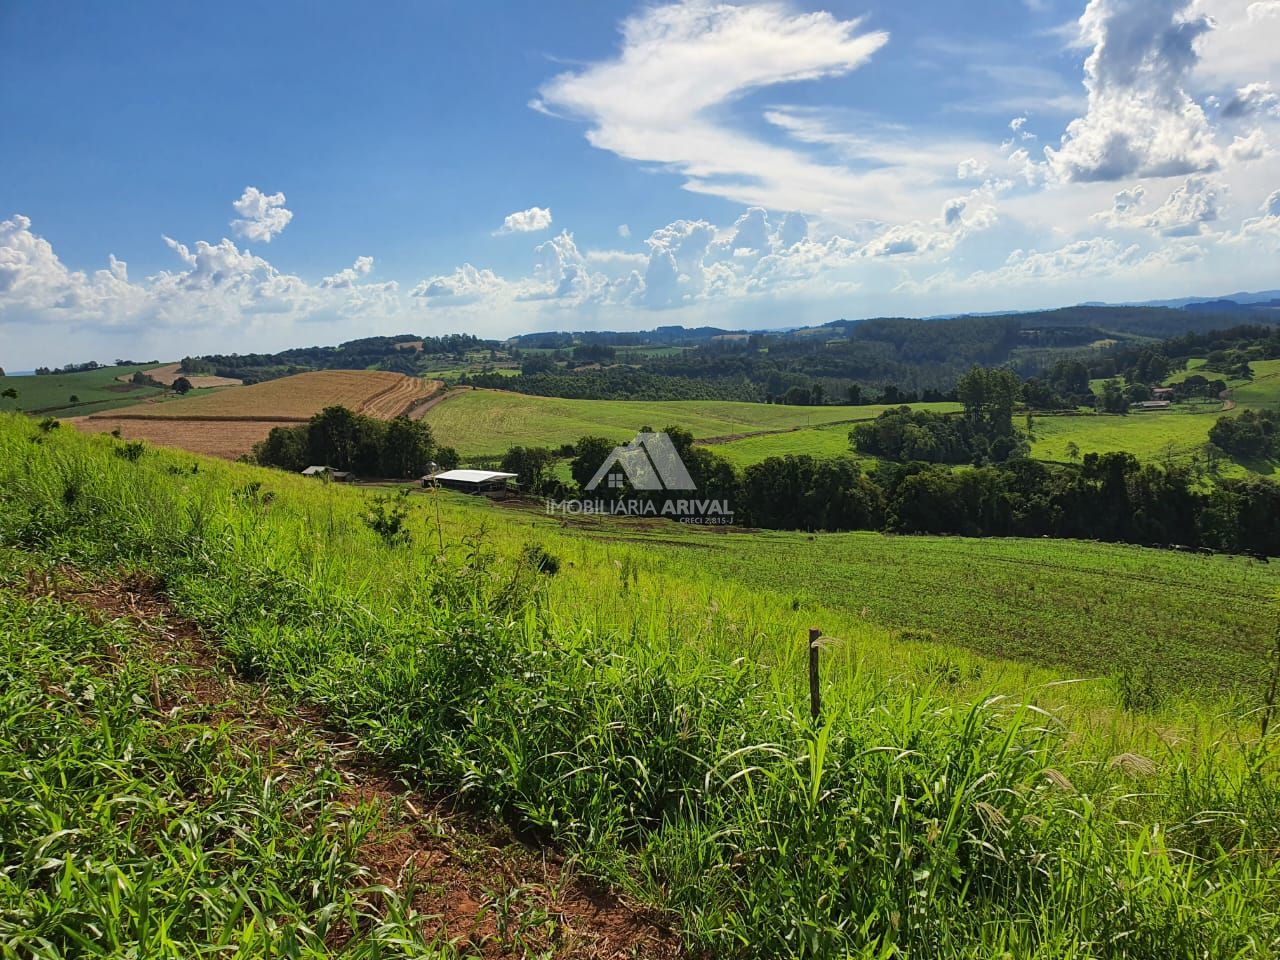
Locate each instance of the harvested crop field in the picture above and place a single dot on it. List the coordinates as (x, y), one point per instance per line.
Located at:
(170, 372)
(375, 393)
(228, 439)
(228, 423)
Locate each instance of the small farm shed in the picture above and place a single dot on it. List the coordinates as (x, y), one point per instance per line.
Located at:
(338, 476)
(1153, 405)
(471, 481)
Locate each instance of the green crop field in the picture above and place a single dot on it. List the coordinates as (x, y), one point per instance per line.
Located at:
(486, 422)
(1026, 749)
(96, 390)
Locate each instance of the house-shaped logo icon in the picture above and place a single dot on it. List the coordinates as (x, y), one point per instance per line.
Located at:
(649, 462)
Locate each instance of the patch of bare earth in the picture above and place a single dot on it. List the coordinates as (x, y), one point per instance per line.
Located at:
(474, 884)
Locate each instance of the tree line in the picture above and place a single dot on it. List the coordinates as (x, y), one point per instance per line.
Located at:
(1109, 497)
(399, 449)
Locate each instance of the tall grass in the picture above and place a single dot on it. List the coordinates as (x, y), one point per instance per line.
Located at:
(133, 824)
(932, 812)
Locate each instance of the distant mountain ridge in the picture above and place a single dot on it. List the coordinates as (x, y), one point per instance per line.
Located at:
(1240, 299)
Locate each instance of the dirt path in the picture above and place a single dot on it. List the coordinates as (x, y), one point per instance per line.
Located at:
(421, 409)
(478, 886)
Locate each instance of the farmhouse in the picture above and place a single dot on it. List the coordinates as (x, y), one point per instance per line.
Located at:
(337, 476)
(1162, 393)
(471, 481)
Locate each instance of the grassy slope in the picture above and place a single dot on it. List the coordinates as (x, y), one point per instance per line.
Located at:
(135, 822)
(1181, 431)
(1263, 391)
(1084, 609)
(820, 442)
(490, 421)
(98, 390)
(1146, 435)
(657, 677)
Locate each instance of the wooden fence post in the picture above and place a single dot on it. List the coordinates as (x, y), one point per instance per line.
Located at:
(815, 693)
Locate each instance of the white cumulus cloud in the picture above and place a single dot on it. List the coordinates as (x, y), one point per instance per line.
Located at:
(1141, 121)
(467, 284)
(1264, 10)
(525, 221)
(262, 216)
(345, 279)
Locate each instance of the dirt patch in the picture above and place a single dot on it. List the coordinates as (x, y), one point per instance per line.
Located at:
(475, 884)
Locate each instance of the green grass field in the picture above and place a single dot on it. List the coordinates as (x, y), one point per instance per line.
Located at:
(486, 422)
(96, 390)
(1147, 435)
(1263, 391)
(1028, 748)
(1081, 608)
(1178, 433)
(820, 442)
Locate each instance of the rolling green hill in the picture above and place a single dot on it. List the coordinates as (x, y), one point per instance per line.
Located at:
(486, 422)
(95, 390)
(637, 693)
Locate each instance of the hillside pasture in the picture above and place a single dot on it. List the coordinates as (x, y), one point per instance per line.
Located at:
(820, 442)
(1031, 749)
(1263, 391)
(489, 422)
(1148, 435)
(94, 390)
(1084, 609)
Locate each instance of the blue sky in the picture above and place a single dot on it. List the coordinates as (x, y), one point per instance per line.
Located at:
(196, 178)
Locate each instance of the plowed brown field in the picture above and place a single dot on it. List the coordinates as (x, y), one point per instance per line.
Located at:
(228, 423)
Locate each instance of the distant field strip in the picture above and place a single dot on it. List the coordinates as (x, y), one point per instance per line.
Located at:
(491, 421)
(228, 423)
(376, 393)
(170, 372)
